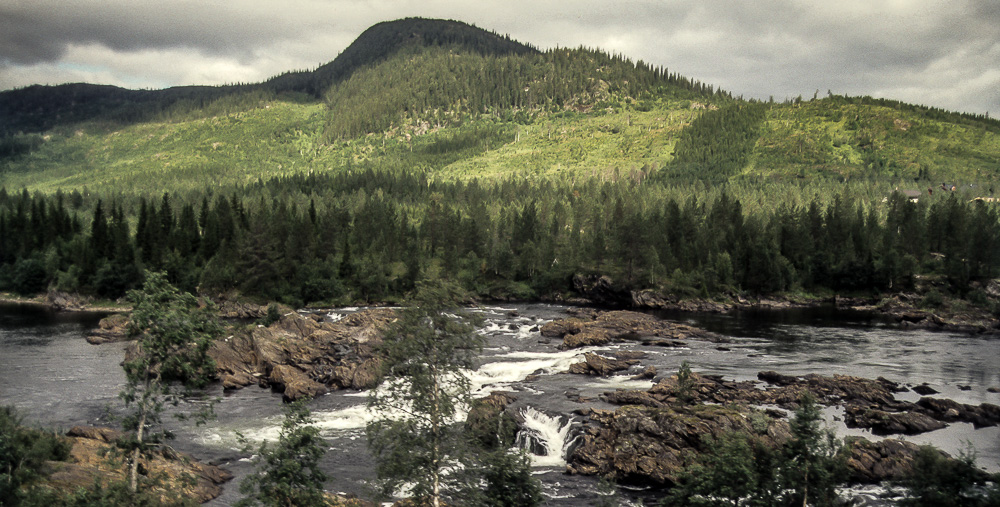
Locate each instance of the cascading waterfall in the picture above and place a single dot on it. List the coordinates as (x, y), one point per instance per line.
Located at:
(545, 437)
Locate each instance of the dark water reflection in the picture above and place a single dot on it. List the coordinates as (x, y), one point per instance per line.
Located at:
(50, 372)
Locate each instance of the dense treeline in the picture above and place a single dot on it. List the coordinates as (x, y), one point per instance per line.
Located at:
(718, 143)
(369, 235)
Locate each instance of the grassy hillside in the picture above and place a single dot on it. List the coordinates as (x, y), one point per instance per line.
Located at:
(284, 137)
(849, 138)
(40, 108)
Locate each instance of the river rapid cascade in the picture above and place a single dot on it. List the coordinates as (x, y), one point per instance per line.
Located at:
(58, 380)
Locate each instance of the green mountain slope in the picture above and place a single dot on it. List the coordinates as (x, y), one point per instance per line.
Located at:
(457, 102)
(38, 108)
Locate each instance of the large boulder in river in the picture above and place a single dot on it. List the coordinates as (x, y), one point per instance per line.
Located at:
(883, 422)
(600, 328)
(490, 423)
(985, 414)
(294, 383)
(650, 444)
(874, 462)
(600, 365)
(304, 354)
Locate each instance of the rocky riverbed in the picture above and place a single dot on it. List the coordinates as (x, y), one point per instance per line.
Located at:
(560, 366)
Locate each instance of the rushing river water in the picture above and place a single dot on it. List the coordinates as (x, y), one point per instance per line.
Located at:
(58, 380)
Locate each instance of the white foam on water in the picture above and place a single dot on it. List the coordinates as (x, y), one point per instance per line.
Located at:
(526, 331)
(551, 432)
(350, 418)
(516, 366)
(621, 382)
(493, 328)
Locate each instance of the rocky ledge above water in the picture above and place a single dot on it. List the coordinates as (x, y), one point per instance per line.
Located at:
(867, 403)
(298, 355)
(650, 444)
(88, 462)
(592, 327)
(647, 439)
(304, 354)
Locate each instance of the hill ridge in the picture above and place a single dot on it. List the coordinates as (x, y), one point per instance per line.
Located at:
(37, 108)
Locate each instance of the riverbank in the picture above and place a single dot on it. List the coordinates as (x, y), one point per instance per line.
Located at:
(63, 302)
(906, 310)
(923, 307)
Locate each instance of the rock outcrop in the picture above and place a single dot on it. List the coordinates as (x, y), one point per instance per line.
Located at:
(599, 328)
(230, 309)
(656, 300)
(883, 422)
(867, 403)
(600, 289)
(489, 421)
(88, 462)
(646, 444)
(61, 301)
(874, 462)
(304, 355)
(113, 328)
(649, 443)
(594, 364)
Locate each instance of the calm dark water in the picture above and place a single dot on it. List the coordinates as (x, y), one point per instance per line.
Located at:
(58, 380)
(50, 372)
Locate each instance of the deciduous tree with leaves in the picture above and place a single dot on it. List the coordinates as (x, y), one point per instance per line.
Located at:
(415, 438)
(288, 473)
(169, 360)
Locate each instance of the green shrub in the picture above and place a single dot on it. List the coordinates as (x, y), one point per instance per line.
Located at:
(933, 299)
(935, 479)
(23, 452)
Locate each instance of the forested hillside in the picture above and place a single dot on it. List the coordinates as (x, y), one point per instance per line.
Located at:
(434, 147)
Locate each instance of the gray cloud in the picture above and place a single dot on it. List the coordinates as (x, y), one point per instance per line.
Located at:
(935, 52)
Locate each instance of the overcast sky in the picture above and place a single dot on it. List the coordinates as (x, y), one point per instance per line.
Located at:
(943, 53)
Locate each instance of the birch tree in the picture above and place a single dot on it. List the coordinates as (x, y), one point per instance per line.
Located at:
(170, 359)
(415, 438)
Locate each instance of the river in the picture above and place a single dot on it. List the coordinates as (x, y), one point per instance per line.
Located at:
(59, 380)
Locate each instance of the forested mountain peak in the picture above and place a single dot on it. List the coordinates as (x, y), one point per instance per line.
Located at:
(382, 40)
(38, 108)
